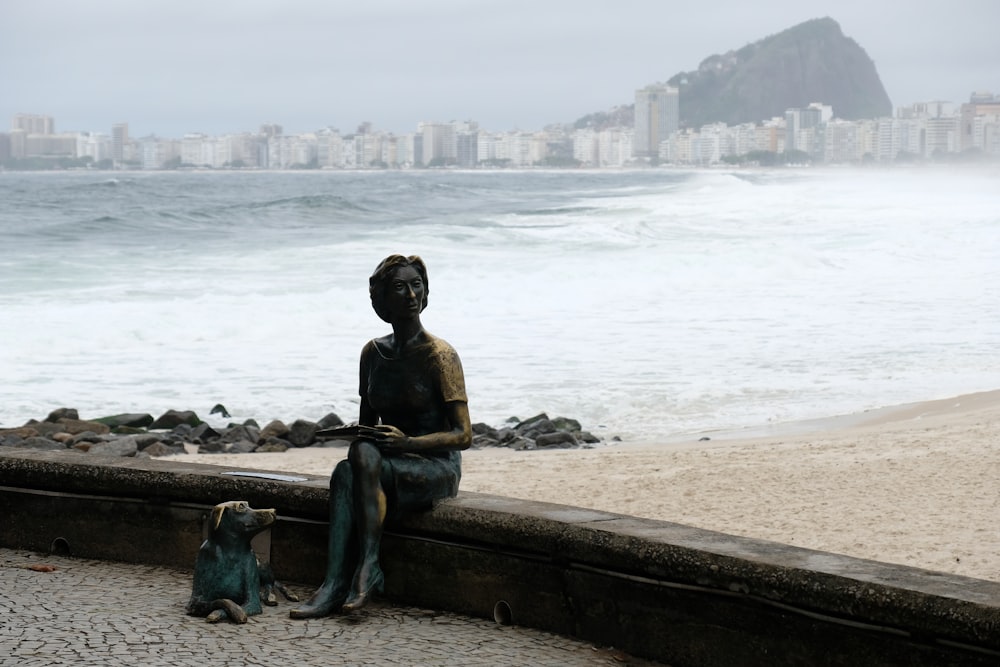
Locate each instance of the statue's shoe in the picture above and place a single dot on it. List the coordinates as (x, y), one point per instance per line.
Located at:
(358, 599)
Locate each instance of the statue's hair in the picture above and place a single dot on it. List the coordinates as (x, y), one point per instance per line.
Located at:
(379, 281)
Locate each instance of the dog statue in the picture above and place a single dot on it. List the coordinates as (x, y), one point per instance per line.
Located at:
(227, 576)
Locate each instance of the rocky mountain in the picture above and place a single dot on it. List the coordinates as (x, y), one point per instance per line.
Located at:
(811, 62)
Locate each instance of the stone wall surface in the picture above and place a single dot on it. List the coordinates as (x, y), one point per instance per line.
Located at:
(665, 591)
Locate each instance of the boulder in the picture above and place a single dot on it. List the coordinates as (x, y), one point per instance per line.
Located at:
(302, 433)
(62, 413)
(272, 444)
(536, 426)
(275, 429)
(135, 420)
(203, 432)
(118, 447)
(566, 424)
(39, 442)
(173, 418)
(212, 447)
(239, 433)
(86, 436)
(159, 449)
(241, 447)
(22, 432)
(557, 439)
(329, 421)
(77, 426)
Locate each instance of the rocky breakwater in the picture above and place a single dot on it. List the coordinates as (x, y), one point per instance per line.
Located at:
(176, 431)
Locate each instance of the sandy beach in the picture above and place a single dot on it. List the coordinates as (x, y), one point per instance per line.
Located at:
(917, 485)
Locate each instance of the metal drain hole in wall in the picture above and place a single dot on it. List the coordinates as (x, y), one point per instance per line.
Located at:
(59, 547)
(502, 613)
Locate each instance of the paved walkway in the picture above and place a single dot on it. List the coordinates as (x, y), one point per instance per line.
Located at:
(89, 612)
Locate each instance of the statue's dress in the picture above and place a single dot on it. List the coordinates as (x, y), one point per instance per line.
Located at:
(411, 393)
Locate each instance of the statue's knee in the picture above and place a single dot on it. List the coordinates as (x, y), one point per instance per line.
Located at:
(341, 476)
(364, 455)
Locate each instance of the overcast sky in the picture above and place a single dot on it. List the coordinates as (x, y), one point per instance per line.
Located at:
(169, 67)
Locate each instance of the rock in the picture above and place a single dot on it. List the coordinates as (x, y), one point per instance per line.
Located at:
(212, 447)
(62, 413)
(118, 447)
(302, 433)
(86, 436)
(173, 418)
(241, 432)
(220, 409)
(275, 429)
(480, 428)
(272, 444)
(134, 420)
(505, 435)
(127, 430)
(557, 439)
(48, 429)
(22, 432)
(587, 437)
(204, 432)
(329, 421)
(158, 449)
(521, 444)
(241, 447)
(76, 426)
(565, 424)
(144, 441)
(39, 442)
(65, 438)
(481, 441)
(10, 440)
(536, 426)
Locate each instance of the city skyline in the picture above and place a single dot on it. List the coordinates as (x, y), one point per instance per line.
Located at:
(177, 68)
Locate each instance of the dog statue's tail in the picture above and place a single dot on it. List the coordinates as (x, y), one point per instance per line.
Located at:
(223, 608)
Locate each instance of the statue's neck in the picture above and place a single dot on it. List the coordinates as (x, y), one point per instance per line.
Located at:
(406, 334)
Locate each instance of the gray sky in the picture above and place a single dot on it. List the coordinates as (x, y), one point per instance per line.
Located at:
(217, 66)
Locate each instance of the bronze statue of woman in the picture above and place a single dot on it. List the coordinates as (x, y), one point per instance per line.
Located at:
(413, 424)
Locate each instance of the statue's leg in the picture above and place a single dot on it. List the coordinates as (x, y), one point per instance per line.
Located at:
(369, 509)
(329, 597)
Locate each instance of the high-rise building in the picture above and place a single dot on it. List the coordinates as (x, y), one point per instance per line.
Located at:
(979, 122)
(119, 140)
(33, 123)
(439, 144)
(657, 116)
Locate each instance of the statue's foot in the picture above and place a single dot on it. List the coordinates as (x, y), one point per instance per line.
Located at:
(373, 580)
(324, 602)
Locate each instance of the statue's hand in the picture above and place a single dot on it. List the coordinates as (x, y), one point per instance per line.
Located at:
(390, 437)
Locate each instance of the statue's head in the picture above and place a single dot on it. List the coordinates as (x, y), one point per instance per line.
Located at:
(382, 278)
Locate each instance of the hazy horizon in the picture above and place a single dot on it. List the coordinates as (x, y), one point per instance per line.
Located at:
(173, 68)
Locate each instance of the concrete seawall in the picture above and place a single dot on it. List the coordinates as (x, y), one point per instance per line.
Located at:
(665, 591)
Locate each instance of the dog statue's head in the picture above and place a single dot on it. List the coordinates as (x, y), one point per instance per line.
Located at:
(236, 520)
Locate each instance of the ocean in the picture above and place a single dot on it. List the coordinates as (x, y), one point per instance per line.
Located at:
(647, 304)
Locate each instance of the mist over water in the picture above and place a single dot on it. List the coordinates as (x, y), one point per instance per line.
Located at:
(645, 304)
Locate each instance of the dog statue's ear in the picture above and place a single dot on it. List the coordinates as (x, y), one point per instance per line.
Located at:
(217, 516)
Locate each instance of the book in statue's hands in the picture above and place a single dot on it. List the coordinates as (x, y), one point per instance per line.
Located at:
(348, 432)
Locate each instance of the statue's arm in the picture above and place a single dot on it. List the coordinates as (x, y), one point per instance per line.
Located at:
(367, 415)
(459, 436)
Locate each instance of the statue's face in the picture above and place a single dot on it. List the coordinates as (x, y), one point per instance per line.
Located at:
(404, 295)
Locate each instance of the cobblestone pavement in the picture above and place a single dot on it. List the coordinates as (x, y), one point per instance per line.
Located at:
(89, 612)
